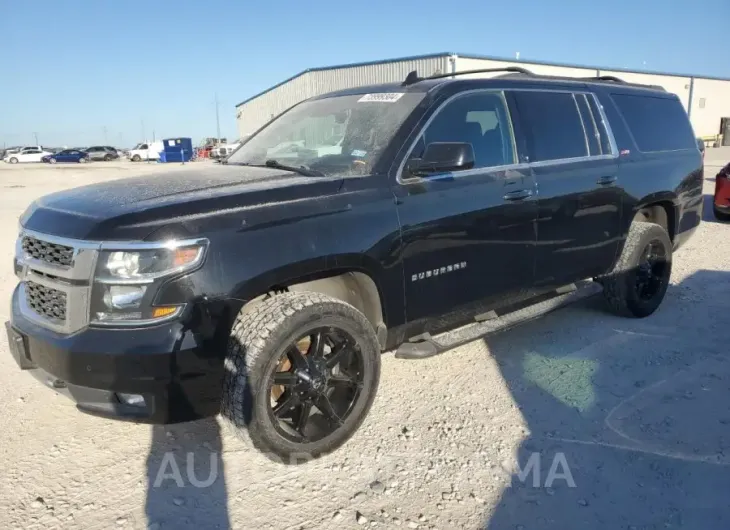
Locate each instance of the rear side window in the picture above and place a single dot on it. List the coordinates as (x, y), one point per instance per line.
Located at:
(657, 124)
(553, 125)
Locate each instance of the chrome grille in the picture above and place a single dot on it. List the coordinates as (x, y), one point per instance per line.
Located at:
(52, 253)
(47, 302)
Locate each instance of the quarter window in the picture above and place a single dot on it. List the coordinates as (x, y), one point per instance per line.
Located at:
(480, 119)
(553, 125)
(657, 124)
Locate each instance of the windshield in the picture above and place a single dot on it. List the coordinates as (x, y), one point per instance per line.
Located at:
(336, 136)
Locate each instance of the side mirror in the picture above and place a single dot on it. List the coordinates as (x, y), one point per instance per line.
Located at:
(441, 157)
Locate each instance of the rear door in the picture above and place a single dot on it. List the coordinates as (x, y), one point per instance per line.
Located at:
(468, 236)
(574, 161)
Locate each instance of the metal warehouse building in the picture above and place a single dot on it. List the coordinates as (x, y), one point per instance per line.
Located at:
(706, 99)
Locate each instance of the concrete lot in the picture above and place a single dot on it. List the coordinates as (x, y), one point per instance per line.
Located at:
(635, 414)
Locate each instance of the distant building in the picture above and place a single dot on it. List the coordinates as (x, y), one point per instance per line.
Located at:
(706, 99)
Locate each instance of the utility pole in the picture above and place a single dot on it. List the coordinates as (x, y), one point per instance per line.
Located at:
(35, 135)
(106, 140)
(217, 119)
(142, 139)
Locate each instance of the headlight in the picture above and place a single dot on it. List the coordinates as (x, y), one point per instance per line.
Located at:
(127, 281)
(145, 265)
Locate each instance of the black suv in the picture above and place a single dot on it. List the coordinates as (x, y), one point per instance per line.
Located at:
(102, 152)
(267, 287)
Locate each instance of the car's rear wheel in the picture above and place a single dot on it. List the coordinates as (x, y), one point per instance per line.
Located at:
(108, 158)
(83, 160)
(302, 371)
(13, 160)
(640, 278)
(719, 215)
(136, 158)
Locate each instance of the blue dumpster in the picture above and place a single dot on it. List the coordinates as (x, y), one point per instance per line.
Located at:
(177, 150)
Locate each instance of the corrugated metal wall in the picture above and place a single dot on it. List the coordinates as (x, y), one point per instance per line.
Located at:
(710, 98)
(256, 112)
(710, 103)
(468, 63)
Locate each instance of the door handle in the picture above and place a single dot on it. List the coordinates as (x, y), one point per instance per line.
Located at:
(517, 195)
(606, 181)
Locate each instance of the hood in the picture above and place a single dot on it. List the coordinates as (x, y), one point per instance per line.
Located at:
(133, 208)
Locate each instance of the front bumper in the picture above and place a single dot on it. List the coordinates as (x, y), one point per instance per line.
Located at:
(179, 376)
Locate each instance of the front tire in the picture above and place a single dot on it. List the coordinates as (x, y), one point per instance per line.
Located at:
(302, 370)
(53, 160)
(136, 158)
(108, 158)
(82, 160)
(639, 280)
(13, 160)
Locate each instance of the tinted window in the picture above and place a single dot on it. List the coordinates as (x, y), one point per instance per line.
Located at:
(143, 146)
(657, 124)
(478, 119)
(553, 126)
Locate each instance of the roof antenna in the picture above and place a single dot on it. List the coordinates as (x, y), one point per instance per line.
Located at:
(411, 78)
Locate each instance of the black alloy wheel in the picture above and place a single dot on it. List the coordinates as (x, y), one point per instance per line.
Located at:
(651, 272)
(301, 373)
(315, 384)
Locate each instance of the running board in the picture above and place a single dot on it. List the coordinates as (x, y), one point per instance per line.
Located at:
(424, 345)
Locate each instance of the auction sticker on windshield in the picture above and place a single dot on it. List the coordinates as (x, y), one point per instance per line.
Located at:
(381, 97)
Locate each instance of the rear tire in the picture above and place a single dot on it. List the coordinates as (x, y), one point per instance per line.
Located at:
(13, 160)
(639, 280)
(720, 216)
(283, 419)
(108, 158)
(82, 160)
(53, 160)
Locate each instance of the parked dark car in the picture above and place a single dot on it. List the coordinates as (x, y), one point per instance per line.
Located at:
(102, 152)
(67, 155)
(721, 200)
(267, 289)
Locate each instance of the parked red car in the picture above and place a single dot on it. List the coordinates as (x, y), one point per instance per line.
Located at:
(721, 203)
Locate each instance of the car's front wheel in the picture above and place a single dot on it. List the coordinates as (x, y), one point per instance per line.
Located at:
(13, 160)
(108, 158)
(83, 160)
(302, 370)
(637, 284)
(53, 160)
(136, 158)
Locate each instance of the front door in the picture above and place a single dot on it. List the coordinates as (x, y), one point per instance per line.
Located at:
(467, 236)
(576, 171)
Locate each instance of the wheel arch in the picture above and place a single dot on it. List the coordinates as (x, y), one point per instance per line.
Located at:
(658, 209)
(351, 282)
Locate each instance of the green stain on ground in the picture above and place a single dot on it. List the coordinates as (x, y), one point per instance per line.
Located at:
(568, 380)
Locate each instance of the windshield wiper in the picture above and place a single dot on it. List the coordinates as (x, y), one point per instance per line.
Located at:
(302, 170)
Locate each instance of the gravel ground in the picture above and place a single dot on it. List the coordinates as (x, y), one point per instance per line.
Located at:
(626, 424)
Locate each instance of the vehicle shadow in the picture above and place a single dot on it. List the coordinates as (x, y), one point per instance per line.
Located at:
(186, 485)
(627, 419)
(708, 215)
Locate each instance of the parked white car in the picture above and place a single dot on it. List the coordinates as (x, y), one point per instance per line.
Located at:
(146, 151)
(27, 154)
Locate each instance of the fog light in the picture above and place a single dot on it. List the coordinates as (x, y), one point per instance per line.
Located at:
(133, 400)
(124, 296)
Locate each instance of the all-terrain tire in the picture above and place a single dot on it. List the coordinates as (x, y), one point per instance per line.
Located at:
(619, 285)
(257, 341)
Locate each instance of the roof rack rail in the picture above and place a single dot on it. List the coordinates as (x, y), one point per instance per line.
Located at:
(413, 77)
